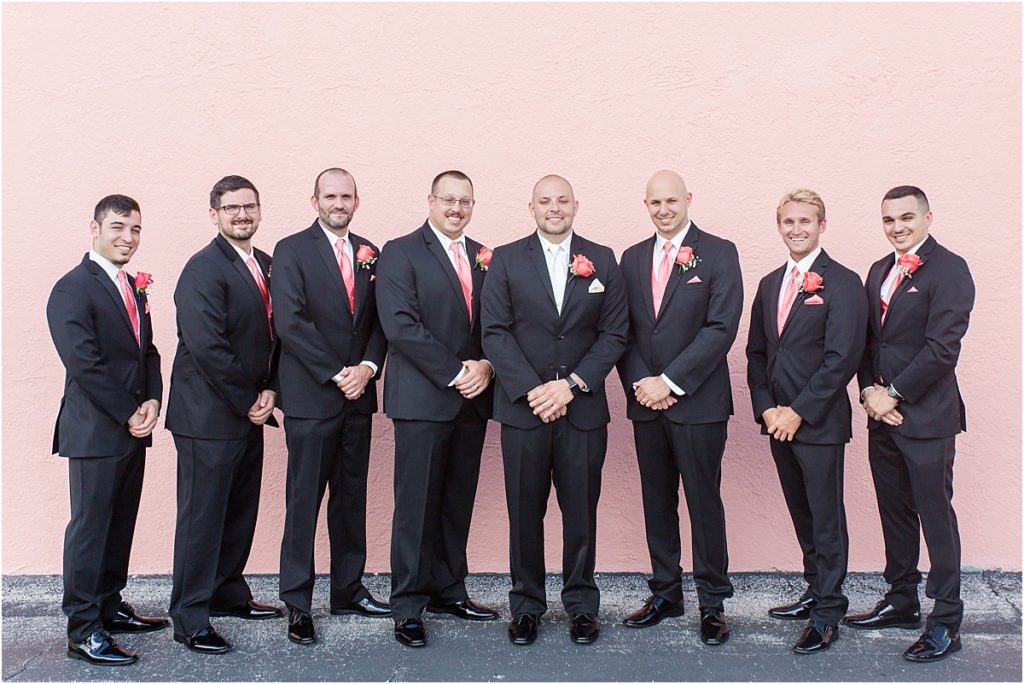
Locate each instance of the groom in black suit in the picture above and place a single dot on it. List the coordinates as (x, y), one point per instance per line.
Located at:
(99, 322)
(807, 326)
(555, 323)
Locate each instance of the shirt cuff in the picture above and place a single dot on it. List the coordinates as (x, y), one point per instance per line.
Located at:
(676, 389)
(370, 364)
(337, 377)
(462, 372)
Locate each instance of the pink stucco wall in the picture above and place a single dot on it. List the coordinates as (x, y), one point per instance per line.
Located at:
(747, 101)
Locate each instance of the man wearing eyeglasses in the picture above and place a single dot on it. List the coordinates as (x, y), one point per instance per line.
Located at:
(437, 391)
(221, 396)
(332, 348)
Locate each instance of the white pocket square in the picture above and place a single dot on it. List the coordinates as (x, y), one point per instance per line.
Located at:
(694, 279)
(596, 286)
(913, 289)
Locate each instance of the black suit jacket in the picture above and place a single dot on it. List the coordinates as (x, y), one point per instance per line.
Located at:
(423, 313)
(809, 366)
(225, 355)
(529, 343)
(689, 340)
(108, 373)
(319, 336)
(918, 347)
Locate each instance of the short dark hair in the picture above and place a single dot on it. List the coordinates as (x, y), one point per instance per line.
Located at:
(901, 191)
(230, 184)
(457, 175)
(334, 169)
(122, 205)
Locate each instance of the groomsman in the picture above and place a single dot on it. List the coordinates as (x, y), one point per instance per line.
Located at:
(99, 321)
(437, 391)
(555, 323)
(806, 338)
(920, 300)
(220, 399)
(685, 301)
(332, 348)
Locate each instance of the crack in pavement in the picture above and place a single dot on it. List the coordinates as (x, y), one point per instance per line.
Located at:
(988, 581)
(29, 662)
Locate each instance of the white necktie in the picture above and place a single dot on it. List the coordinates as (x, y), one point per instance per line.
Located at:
(559, 273)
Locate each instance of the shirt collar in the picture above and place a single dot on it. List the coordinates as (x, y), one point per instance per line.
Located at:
(804, 265)
(108, 266)
(546, 245)
(332, 237)
(446, 241)
(677, 241)
(912, 250)
(245, 256)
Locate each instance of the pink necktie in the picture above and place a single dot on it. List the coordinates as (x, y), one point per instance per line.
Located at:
(346, 274)
(888, 295)
(262, 285)
(786, 303)
(465, 277)
(129, 303)
(660, 279)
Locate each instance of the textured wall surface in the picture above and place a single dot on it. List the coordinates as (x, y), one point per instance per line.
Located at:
(747, 101)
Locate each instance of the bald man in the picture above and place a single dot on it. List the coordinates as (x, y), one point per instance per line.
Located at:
(685, 296)
(554, 324)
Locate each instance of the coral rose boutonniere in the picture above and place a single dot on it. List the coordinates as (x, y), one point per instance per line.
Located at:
(581, 266)
(908, 263)
(142, 282)
(365, 256)
(686, 259)
(483, 258)
(812, 282)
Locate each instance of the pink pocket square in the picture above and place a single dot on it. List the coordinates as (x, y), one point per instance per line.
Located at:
(694, 279)
(372, 278)
(814, 300)
(913, 289)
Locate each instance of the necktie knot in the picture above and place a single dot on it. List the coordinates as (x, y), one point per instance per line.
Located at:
(667, 248)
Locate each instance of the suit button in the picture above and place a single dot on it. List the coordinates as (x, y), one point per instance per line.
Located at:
(561, 337)
(884, 345)
(655, 331)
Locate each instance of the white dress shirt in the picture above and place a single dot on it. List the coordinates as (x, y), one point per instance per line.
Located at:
(557, 258)
(803, 266)
(108, 267)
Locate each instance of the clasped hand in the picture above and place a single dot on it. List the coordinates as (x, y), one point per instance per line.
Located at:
(354, 380)
(476, 378)
(263, 408)
(654, 393)
(782, 422)
(880, 406)
(550, 400)
(143, 421)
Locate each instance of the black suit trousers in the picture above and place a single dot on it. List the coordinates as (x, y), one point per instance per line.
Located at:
(914, 486)
(811, 476)
(218, 499)
(437, 466)
(666, 451)
(105, 495)
(572, 459)
(326, 453)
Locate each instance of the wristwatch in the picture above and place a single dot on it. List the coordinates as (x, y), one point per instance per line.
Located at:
(573, 385)
(891, 391)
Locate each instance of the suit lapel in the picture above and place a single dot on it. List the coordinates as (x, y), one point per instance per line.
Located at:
(924, 251)
(473, 248)
(241, 268)
(535, 252)
(645, 274)
(771, 303)
(435, 248)
(818, 266)
(112, 290)
(330, 262)
(575, 247)
(361, 275)
(692, 240)
(874, 287)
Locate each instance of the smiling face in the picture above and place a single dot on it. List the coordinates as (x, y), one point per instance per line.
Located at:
(116, 237)
(905, 222)
(240, 227)
(450, 220)
(668, 203)
(336, 201)
(800, 226)
(553, 207)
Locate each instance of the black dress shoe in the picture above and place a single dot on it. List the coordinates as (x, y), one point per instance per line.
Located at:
(522, 631)
(466, 609)
(250, 610)
(883, 616)
(584, 629)
(816, 637)
(100, 649)
(367, 607)
(801, 610)
(935, 644)
(205, 641)
(714, 630)
(410, 632)
(300, 627)
(126, 620)
(652, 612)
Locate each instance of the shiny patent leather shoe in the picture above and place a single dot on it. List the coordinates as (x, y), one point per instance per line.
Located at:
(801, 610)
(816, 637)
(466, 609)
(300, 627)
(410, 632)
(935, 644)
(205, 641)
(127, 620)
(654, 610)
(883, 616)
(250, 610)
(714, 630)
(367, 607)
(522, 631)
(100, 649)
(584, 629)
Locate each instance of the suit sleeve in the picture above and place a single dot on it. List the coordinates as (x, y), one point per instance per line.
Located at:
(844, 349)
(866, 372)
(377, 345)
(711, 344)
(73, 329)
(398, 309)
(201, 302)
(951, 299)
(500, 346)
(612, 329)
(154, 381)
(757, 359)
